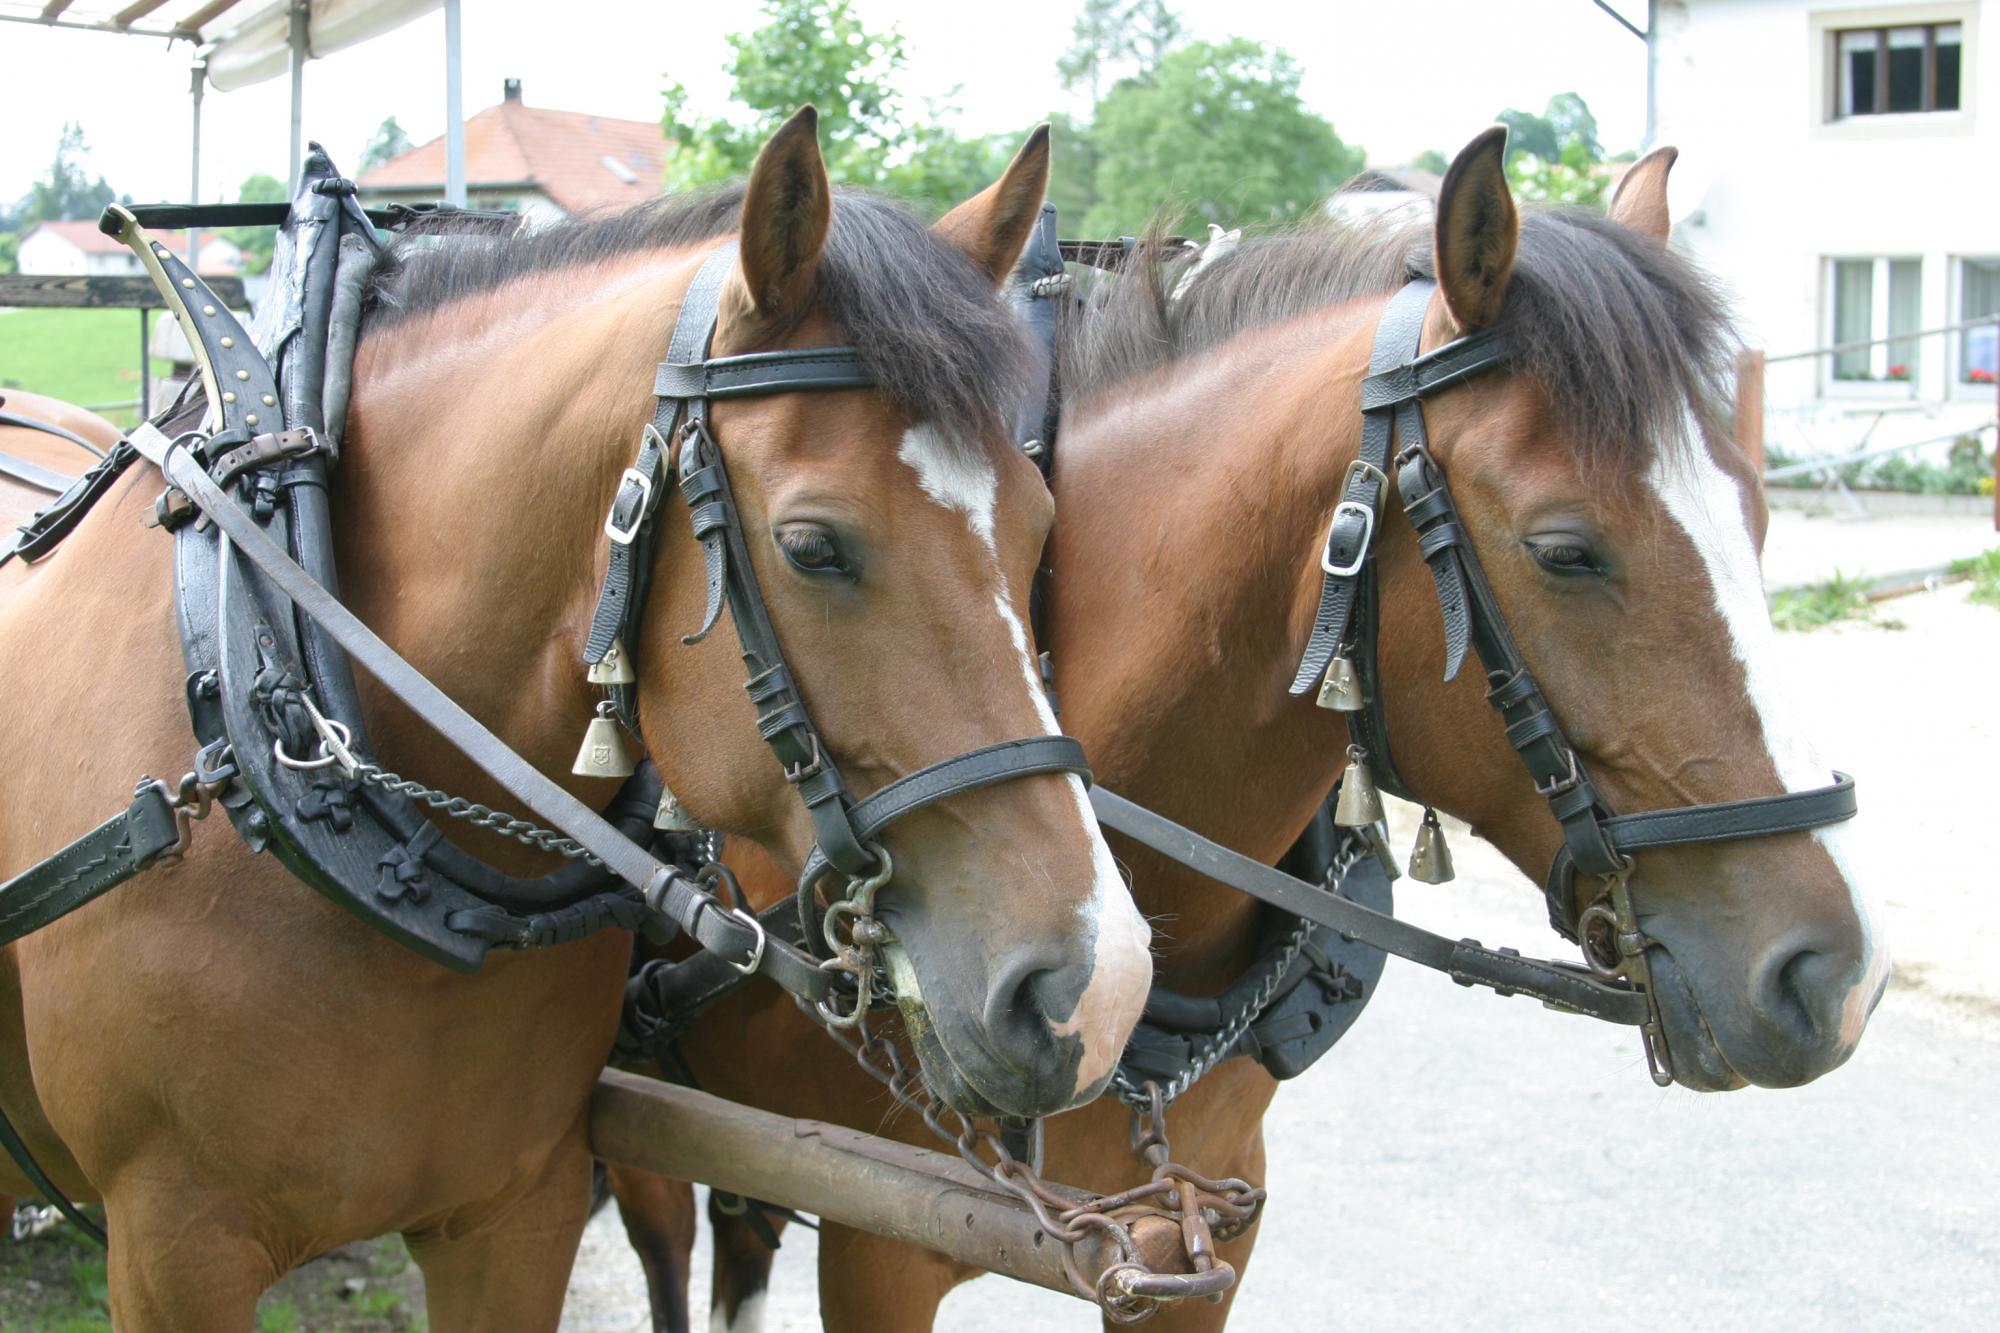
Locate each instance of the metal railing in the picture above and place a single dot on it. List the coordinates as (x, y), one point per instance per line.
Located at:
(1750, 370)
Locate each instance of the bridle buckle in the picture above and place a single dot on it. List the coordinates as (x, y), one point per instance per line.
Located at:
(624, 534)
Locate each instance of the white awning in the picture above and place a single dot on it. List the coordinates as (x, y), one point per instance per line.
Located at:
(247, 39)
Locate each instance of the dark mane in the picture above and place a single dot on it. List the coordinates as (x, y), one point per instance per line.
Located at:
(1623, 335)
(941, 344)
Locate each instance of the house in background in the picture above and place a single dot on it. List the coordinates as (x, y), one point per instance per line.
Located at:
(544, 164)
(69, 249)
(1844, 159)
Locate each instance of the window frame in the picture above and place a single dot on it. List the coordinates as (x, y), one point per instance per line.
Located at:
(1927, 94)
(1956, 385)
(1881, 309)
(1823, 29)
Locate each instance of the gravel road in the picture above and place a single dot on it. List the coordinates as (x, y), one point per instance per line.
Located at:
(1462, 1160)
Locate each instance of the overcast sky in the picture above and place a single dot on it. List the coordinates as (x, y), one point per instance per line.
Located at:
(1396, 76)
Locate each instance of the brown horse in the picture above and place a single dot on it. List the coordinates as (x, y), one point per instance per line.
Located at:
(245, 1074)
(1205, 434)
(44, 450)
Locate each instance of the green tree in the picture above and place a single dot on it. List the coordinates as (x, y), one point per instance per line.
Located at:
(1431, 160)
(1220, 128)
(1072, 169)
(256, 242)
(814, 51)
(389, 141)
(1555, 157)
(67, 193)
(1111, 34)
(819, 51)
(10, 252)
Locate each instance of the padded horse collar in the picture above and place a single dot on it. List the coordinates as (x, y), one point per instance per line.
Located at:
(1595, 841)
(684, 385)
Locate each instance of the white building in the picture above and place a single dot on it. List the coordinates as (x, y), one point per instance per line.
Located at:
(69, 249)
(1841, 174)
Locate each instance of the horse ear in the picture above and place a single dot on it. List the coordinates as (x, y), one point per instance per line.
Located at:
(1477, 229)
(1640, 201)
(787, 209)
(992, 227)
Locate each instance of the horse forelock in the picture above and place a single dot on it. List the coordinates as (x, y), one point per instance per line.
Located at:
(941, 344)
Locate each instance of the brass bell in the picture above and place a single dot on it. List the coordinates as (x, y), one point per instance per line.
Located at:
(614, 668)
(1360, 804)
(1430, 860)
(1341, 690)
(672, 816)
(603, 754)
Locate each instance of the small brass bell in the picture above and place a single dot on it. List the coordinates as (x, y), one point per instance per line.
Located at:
(614, 668)
(672, 816)
(1430, 861)
(1360, 804)
(1341, 690)
(603, 754)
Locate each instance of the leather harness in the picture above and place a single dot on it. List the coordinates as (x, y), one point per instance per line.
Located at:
(271, 650)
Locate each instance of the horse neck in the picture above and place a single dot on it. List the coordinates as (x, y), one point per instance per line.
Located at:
(483, 445)
(1190, 505)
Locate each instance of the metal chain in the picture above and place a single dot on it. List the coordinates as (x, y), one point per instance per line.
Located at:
(1127, 1289)
(1218, 1048)
(482, 816)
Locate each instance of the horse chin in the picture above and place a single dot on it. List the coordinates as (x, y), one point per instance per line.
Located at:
(1697, 1060)
(944, 1074)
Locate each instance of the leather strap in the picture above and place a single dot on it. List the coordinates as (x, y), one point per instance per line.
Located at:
(1558, 985)
(970, 771)
(754, 374)
(45, 531)
(100, 860)
(34, 474)
(663, 887)
(18, 1150)
(47, 428)
(1350, 534)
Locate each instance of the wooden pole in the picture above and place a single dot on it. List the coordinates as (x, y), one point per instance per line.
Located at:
(858, 1180)
(1750, 406)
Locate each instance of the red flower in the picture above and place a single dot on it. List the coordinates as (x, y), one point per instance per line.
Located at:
(1979, 376)
(1899, 372)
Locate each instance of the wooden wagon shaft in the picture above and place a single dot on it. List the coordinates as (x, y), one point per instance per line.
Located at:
(858, 1180)
(99, 291)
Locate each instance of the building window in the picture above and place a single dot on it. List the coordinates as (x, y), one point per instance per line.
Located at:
(1978, 297)
(1890, 71)
(1876, 304)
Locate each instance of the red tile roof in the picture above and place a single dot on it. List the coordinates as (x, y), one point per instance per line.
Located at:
(86, 237)
(568, 155)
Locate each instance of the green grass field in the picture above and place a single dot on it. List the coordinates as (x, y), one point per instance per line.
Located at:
(81, 356)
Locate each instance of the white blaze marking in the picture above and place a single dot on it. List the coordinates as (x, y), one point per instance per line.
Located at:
(1122, 964)
(1708, 505)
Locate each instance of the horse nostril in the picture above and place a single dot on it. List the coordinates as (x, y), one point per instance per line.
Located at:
(1027, 1002)
(1801, 992)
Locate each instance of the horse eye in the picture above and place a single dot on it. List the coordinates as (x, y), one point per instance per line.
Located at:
(811, 548)
(1564, 557)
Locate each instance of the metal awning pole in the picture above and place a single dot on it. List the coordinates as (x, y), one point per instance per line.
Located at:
(454, 109)
(301, 11)
(199, 76)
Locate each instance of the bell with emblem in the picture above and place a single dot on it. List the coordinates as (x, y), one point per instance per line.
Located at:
(672, 816)
(603, 754)
(1360, 804)
(1341, 690)
(1430, 861)
(614, 668)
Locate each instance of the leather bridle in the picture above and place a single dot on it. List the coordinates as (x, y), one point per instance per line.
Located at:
(1596, 842)
(686, 382)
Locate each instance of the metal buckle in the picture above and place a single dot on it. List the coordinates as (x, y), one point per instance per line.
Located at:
(1352, 567)
(809, 768)
(1359, 469)
(756, 954)
(624, 536)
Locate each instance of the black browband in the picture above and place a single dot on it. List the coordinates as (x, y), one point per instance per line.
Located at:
(1596, 842)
